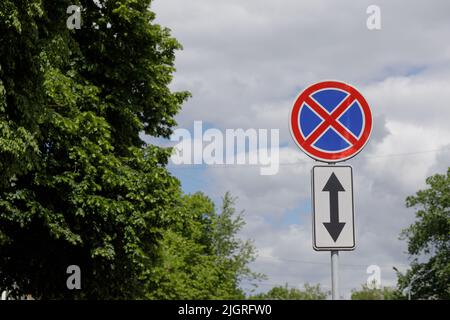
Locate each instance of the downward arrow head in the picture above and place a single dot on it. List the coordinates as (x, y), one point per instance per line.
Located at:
(334, 229)
(333, 184)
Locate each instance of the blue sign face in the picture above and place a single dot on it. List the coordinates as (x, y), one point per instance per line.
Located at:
(331, 140)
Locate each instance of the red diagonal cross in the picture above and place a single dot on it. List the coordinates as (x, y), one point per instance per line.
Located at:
(330, 120)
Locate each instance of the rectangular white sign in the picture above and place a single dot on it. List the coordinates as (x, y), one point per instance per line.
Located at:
(333, 208)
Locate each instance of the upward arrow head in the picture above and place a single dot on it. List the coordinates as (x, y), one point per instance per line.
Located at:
(333, 184)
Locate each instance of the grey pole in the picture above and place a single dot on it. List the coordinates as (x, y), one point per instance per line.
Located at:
(334, 268)
(335, 275)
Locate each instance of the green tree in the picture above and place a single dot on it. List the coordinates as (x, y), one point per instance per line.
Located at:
(429, 240)
(78, 185)
(203, 256)
(309, 292)
(367, 293)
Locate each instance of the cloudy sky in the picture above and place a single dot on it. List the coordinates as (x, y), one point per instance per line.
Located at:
(246, 61)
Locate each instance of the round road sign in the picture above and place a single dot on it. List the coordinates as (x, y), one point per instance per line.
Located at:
(331, 121)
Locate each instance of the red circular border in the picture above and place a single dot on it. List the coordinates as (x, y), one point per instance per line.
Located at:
(328, 156)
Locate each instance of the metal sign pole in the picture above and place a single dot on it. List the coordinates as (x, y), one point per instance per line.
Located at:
(335, 275)
(334, 269)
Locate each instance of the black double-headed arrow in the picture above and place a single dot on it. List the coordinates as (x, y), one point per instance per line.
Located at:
(334, 227)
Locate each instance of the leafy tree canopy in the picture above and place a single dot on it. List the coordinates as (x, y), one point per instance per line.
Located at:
(309, 292)
(368, 293)
(429, 239)
(204, 258)
(78, 185)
